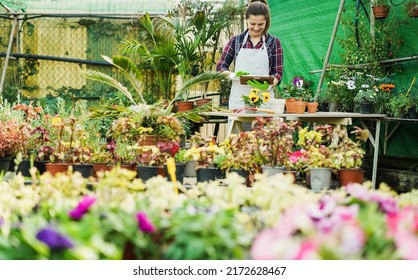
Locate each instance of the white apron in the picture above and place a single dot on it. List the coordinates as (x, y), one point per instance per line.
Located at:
(254, 61)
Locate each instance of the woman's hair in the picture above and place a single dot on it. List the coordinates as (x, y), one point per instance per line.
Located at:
(259, 8)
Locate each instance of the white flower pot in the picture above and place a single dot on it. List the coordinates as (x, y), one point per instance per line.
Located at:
(320, 179)
(276, 105)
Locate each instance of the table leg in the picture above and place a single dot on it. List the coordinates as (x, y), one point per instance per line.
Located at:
(376, 154)
(216, 130)
(231, 126)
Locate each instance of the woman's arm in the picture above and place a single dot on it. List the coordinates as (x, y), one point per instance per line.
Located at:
(227, 57)
(276, 60)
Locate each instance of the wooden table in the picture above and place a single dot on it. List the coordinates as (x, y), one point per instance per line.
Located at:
(339, 118)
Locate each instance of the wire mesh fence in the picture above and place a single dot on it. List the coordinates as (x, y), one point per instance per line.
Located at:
(48, 53)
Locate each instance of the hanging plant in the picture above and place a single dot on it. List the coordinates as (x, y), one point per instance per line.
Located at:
(412, 9)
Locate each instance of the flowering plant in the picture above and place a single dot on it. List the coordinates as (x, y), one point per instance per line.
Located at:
(299, 88)
(157, 155)
(256, 97)
(240, 152)
(10, 137)
(348, 153)
(319, 230)
(122, 217)
(366, 96)
(203, 151)
(274, 139)
(31, 117)
(298, 160)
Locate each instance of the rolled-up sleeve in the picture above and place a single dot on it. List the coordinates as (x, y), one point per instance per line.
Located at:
(276, 59)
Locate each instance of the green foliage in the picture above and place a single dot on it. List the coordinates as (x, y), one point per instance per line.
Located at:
(209, 233)
(369, 50)
(366, 96)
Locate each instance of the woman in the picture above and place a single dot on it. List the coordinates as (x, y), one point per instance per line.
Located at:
(254, 51)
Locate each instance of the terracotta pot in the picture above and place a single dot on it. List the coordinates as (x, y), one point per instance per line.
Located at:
(312, 107)
(148, 140)
(202, 101)
(351, 175)
(100, 167)
(381, 12)
(56, 167)
(183, 106)
(290, 105)
(300, 107)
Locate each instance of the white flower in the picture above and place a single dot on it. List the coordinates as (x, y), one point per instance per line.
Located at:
(351, 85)
(365, 86)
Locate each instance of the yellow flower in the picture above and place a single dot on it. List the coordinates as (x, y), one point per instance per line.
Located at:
(56, 121)
(266, 96)
(254, 91)
(253, 97)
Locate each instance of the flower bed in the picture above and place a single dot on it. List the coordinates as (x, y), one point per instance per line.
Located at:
(64, 217)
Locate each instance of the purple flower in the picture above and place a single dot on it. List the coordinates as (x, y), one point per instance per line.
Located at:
(54, 239)
(82, 208)
(298, 82)
(387, 204)
(144, 222)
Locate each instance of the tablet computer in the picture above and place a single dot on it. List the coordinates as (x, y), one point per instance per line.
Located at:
(261, 78)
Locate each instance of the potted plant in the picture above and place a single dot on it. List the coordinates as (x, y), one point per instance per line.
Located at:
(299, 92)
(313, 154)
(180, 163)
(240, 155)
(10, 141)
(319, 163)
(151, 159)
(399, 105)
(347, 155)
(274, 139)
(29, 116)
(203, 152)
(254, 99)
(224, 91)
(366, 98)
(174, 46)
(380, 9)
(412, 8)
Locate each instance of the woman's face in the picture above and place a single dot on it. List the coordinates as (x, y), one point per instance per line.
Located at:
(256, 25)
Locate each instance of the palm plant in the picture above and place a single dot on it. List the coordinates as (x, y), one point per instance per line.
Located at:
(156, 52)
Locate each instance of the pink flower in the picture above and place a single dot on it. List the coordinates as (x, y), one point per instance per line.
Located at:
(307, 250)
(82, 208)
(262, 248)
(144, 223)
(403, 227)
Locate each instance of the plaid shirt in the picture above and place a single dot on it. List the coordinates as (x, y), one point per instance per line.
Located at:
(274, 51)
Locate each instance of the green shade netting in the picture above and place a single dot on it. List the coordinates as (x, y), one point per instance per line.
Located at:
(90, 6)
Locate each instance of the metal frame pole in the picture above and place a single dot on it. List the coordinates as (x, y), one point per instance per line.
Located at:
(9, 49)
(331, 44)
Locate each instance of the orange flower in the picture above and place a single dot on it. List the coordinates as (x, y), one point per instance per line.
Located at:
(387, 87)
